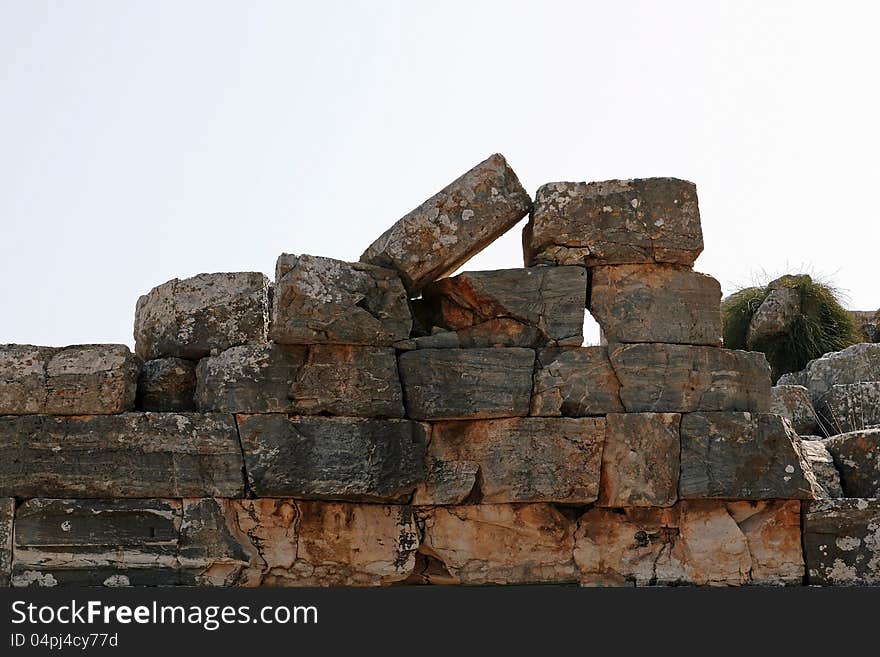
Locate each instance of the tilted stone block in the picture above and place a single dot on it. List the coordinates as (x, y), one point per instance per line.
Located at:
(129, 455)
(842, 542)
(192, 317)
(855, 364)
(668, 378)
(75, 380)
(794, 403)
(742, 456)
(333, 458)
(656, 303)
(452, 226)
(513, 460)
(97, 542)
(822, 463)
(575, 383)
(533, 307)
(850, 407)
(167, 385)
(7, 513)
(322, 300)
(694, 542)
(614, 222)
(460, 384)
(308, 380)
(640, 461)
(857, 457)
(500, 544)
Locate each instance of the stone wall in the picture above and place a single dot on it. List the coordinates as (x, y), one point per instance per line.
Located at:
(382, 422)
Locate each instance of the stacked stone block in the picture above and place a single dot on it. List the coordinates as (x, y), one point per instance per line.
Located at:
(381, 422)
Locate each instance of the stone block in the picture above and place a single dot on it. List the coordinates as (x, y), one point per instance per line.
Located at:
(575, 383)
(794, 404)
(820, 460)
(850, 407)
(857, 457)
(167, 385)
(7, 515)
(842, 542)
(855, 364)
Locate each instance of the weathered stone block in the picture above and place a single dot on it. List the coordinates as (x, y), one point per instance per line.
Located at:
(860, 362)
(461, 384)
(794, 404)
(452, 226)
(822, 463)
(656, 303)
(500, 544)
(308, 380)
(322, 300)
(742, 456)
(694, 542)
(850, 407)
(640, 461)
(75, 380)
(192, 317)
(167, 385)
(333, 458)
(7, 514)
(775, 315)
(532, 307)
(842, 542)
(668, 378)
(129, 455)
(614, 222)
(513, 460)
(857, 457)
(95, 542)
(575, 383)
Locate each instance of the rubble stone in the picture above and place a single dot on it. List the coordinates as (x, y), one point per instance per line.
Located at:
(167, 385)
(7, 513)
(860, 362)
(842, 542)
(820, 460)
(857, 457)
(850, 407)
(575, 383)
(794, 404)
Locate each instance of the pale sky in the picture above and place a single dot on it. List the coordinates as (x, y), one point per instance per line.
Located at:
(143, 141)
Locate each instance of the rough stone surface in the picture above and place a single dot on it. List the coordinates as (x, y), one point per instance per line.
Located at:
(857, 457)
(306, 380)
(667, 378)
(575, 382)
(774, 316)
(325, 301)
(460, 384)
(96, 542)
(192, 317)
(333, 458)
(742, 456)
(532, 307)
(820, 460)
(75, 380)
(695, 542)
(167, 385)
(842, 542)
(869, 321)
(656, 303)
(513, 460)
(452, 226)
(7, 513)
(128, 455)
(860, 362)
(500, 544)
(640, 462)
(614, 222)
(794, 404)
(850, 407)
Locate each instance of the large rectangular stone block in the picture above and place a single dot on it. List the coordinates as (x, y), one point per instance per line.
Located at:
(614, 222)
(668, 378)
(539, 306)
(742, 456)
(575, 383)
(75, 380)
(7, 514)
(842, 542)
(694, 542)
(193, 317)
(513, 460)
(461, 384)
(656, 303)
(97, 542)
(129, 455)
(317, 379)
(452, 226)
(500, 544)
(640, 461)
(333, 458)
